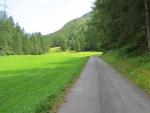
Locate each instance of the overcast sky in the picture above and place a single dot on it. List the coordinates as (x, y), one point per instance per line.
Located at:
(46, 16)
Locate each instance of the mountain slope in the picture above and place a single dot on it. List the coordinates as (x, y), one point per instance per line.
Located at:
(71, 36)
(76, 23)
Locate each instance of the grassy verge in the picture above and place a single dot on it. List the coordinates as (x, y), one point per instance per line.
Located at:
(136, 69)
(36, 83)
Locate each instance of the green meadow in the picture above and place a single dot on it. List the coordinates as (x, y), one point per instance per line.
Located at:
(36, 83)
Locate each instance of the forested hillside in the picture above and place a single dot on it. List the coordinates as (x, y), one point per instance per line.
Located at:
(118, 24)
(14, 40)
(72, 35)
(111, 25)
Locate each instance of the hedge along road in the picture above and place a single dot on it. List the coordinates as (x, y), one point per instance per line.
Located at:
(101, 89)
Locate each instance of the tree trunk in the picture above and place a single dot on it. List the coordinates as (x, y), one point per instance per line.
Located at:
(147, 23)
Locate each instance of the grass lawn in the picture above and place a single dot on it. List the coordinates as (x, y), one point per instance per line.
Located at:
(136, 69)
(35, 83)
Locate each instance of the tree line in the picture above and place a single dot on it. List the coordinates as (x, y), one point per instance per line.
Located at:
(120, 24)
(14, 40)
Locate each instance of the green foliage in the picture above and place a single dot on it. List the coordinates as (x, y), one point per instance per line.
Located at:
(34, 83)
(63, 44)
(72, 35)
(116, 24)
(13, 39)
(136, 68)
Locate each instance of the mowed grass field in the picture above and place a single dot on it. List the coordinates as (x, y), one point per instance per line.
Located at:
(35, 83)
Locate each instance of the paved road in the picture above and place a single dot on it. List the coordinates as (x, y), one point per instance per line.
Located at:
(101, 89)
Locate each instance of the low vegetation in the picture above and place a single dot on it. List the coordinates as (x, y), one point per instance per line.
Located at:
(135, 68)
(35, 83)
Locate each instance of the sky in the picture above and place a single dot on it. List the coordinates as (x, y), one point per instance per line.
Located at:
(46, 16)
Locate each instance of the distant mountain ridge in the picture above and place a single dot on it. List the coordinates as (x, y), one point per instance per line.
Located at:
(87, 15)
(77, 22)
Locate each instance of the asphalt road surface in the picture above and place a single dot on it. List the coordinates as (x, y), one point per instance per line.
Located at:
(101, 89)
